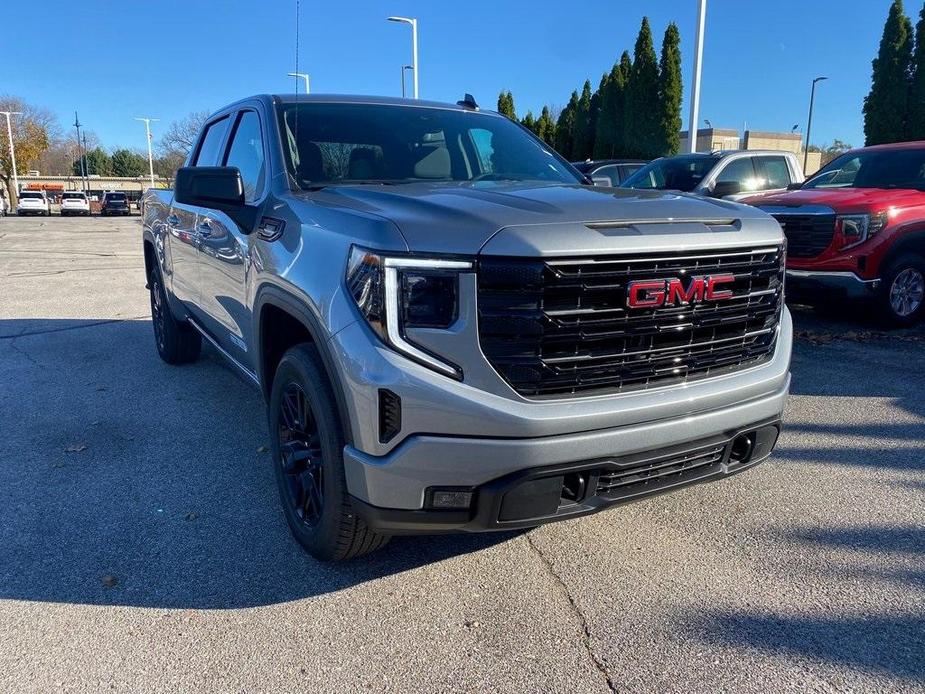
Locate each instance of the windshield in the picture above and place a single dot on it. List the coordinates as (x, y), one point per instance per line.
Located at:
(385, 144)
(27, 195)
(873, 168)
(672, 173)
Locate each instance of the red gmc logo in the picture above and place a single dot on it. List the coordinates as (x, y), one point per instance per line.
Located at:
(655, 293)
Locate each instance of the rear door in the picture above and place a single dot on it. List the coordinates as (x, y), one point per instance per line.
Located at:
(224, 257)
(774, 172)
(182, 232)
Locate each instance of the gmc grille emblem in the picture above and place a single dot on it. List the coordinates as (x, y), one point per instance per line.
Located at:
(673, 292)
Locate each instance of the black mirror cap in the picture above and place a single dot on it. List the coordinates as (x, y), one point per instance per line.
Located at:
(723, 188)
(795, 186)
(215, 187)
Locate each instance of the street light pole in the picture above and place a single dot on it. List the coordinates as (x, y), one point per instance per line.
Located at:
(304, 76)
(809, 121)
(9, 134)
(414, 49)
(695, 88)
(86, 168)
(403, 68)
(147, 122)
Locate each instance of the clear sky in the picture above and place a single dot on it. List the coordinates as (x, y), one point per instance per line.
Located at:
(164, 58)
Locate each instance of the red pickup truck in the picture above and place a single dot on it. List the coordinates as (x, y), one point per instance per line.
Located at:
(856, 229)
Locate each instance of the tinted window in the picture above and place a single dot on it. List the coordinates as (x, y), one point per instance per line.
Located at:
(209, 150)
(627, 170)
(883, 168)
(115, 197)
(74, 196)
(26, 195)
(246, 153)
(333, 143)
(672, 173)
(609, 172)
(741, 171)
(776, 172)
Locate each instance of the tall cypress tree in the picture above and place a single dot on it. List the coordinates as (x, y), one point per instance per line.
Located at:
(620, 139)
(529, 122)
(669, 93)
(506, 105)
(584, 141)
(642, 97)
(565, 128)
(886, 106)
(545, 127)
(605, 126)
(916, 120)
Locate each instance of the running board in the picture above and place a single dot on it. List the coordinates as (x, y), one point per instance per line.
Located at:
(243, 369)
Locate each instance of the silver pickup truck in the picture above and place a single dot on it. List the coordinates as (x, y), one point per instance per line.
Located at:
(452, 330)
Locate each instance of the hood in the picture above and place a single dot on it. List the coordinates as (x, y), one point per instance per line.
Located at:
(462, 217)
(843, 199)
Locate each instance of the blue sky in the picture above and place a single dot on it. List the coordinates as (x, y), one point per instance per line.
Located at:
(163, 58)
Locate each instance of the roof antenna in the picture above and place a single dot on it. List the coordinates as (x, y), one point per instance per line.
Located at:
(468, 101)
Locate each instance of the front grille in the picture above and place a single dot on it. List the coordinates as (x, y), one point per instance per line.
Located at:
(560, 327)
(660, 471)
(807, 234)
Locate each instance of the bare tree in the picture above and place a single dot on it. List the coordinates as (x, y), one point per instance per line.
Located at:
(181, 134)
(33, 129)
(59, 158)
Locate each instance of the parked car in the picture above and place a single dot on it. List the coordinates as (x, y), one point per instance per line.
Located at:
(608, 172)
(74, 202)
(450, 330)
(856, 229)
(33, 202)
(114, 203)
(731, 174)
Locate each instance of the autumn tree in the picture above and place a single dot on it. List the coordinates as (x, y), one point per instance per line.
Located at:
(33, 130)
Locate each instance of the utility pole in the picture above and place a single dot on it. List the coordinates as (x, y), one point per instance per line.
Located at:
(86, 168)
(414, 48)
(147, 122)
(81, 160)
(695, 88)
(304, 76)
(809, 122)
(9, 134)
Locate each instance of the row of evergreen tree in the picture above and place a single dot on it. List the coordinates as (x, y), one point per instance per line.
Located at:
(635, 111)
(894, 110)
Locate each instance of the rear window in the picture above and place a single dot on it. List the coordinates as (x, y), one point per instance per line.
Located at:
(74, 196)
(115, 197)
(30, 195)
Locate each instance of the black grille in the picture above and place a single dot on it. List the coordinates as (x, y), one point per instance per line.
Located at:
(561, 327)
(807, 234)
(660, 471)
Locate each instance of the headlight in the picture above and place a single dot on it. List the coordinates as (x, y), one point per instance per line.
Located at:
(855, 229)
(395, 293)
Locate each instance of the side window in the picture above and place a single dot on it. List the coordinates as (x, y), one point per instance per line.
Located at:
(246, 152)
(627, 170)
(776, 173)
(209, 150)
(608, 172)
(741, 171)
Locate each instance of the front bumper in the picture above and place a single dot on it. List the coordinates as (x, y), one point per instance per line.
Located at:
(545, 494)
(807, 285)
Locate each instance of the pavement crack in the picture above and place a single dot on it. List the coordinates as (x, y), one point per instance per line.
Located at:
(25, 354)
(585, 628)
(95, 324)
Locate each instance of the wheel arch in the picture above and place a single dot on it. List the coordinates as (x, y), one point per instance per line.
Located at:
(296, 323)
(909, 241)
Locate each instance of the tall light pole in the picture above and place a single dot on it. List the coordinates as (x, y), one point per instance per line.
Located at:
(81, 161)
(403, 68)
(304, 76)
(414, 49)
(695, 88)
(86, 167)
(147, 122)
(809, 122)
(9, 134)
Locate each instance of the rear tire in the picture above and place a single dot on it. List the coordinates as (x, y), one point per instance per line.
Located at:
(307, 444)
(901, 295)
(176, 341)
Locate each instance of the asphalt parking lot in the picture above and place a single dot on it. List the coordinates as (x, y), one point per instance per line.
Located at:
(142, 547)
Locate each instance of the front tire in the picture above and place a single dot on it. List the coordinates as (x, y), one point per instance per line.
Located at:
(176, 341)
(902, 291)
(307, 443)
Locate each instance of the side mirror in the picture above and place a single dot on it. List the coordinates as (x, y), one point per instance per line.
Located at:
(216, 188)
(723, 188)
(602, 181)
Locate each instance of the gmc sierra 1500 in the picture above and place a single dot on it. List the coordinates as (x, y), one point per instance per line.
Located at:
(452, 331)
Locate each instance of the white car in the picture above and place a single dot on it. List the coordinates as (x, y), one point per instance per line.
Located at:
(33, 202)
(74, 202)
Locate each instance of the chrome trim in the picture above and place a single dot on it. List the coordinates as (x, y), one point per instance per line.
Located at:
(247, 372)
(821, 276)
(625, 259)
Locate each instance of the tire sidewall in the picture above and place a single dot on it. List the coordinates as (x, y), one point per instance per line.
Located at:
(302, 365)
(903, 263)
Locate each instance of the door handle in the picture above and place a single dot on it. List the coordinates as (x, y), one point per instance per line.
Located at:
(173, 220)
(205, 228)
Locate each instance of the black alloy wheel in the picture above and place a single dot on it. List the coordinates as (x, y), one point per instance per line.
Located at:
(301, 455)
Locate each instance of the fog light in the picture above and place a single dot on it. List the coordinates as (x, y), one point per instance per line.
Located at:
(448, 498)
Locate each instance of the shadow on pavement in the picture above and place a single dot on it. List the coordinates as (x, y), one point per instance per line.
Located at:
(115, 464)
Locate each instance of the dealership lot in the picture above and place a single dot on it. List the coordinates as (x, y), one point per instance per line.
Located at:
(143, 547)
